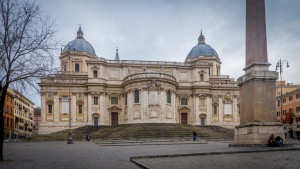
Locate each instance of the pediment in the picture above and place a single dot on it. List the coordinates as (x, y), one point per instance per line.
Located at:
(114, 107)
(182, 108)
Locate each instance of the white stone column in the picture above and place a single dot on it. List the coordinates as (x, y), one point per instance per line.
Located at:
(85, 108)
(130, 105)
(55, 108)
(197, 110)
(144, 103)
(209, 110)
(89, 109)
(103, 111)
(73, 108)
(234, 107)
(221, 111)
(173, 94)
(43, 108)
(162, 102)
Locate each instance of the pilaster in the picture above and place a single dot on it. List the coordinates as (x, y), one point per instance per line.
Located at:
(221, 110)
(43, 108)
(56, 108)
(73, 108)
(209, 110)
(89, 109)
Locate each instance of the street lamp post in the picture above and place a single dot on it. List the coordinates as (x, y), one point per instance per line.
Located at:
(70, 139)
(280, 65)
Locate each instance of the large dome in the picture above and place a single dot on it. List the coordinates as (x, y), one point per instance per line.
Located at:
(79, 44)
(202, 49)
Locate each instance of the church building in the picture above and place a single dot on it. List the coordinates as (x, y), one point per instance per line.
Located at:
(89, 90)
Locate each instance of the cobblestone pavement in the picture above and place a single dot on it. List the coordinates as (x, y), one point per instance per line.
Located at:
(260, 160)
(85, 155)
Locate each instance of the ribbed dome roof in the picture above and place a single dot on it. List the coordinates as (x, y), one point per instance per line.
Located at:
(79, 44)
(202, 49)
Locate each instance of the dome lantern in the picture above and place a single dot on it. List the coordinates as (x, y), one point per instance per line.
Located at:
(79, 33)
(201, 38)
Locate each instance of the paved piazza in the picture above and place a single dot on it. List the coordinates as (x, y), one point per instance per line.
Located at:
(86, 155)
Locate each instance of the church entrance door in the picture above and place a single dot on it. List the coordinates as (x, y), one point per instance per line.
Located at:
(184, 118)
(96, 121)
(114, 118)
(202, 119)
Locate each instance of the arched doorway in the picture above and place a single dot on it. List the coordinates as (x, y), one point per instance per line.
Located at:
(96, 119)
(202, 119)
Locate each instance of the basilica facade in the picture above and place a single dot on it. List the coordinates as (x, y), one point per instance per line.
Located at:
(89, 90)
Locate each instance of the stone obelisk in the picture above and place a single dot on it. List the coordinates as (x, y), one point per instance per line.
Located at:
(257, 85)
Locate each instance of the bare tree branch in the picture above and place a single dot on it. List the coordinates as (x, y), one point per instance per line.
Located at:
(26, 47)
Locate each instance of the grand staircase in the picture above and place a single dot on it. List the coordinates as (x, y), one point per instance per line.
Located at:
(148, 131)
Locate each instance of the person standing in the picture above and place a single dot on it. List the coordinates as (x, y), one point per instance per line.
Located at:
(194, 135)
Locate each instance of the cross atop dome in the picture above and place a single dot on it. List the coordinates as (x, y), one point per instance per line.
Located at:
(79, 33)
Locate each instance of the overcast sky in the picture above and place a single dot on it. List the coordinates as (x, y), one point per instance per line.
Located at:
(166, 30)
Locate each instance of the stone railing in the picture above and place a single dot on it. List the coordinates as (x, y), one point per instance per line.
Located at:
(224, 85)
(63, 77)
(140, 62)
(218, 76)
(149, 75)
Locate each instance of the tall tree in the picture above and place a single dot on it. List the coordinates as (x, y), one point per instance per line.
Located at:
(26, 46)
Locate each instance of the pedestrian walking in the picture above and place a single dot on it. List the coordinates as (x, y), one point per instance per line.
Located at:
(194, 135)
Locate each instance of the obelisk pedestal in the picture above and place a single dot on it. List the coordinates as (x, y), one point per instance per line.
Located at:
(257, 85)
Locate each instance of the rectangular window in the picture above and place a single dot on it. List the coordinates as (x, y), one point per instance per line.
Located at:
(290, 98)
(65, 67)
(95, 73)
(297, 95)
(215, 109)
(77, 67)
(169, 96)
(80, 109)
(95, 100)
(136, 96)
(298, 109)
(114, 100)
(291, 110)
(283, 112)
(125, 99)
(49, 108)
(278, 103)
(184, 101)
(283, 100)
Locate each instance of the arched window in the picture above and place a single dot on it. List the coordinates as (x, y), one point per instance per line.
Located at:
(168, 96)
(136, 96)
